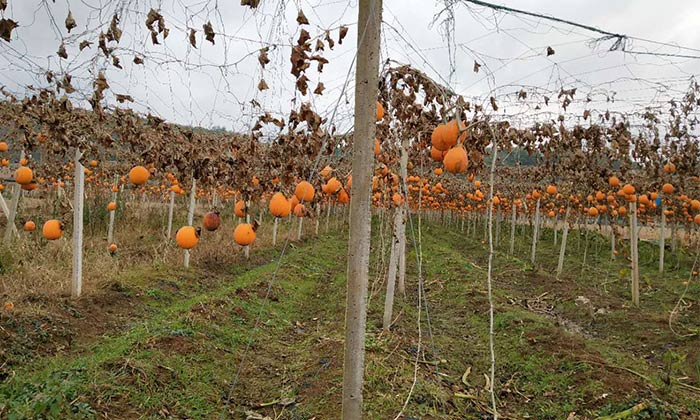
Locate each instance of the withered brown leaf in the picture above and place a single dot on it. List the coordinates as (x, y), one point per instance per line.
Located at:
(262, 57)
(262, 85)
(193, 38)
(6, 27)
(301, 18)
(138, 60)
(124, 98)
(329, 40)
(62, 51)
(251, 3)
(208, 32)
(319, 89)
(70, 21)
(477, 66)
(342, 32)
(550, 51)
(84, 44)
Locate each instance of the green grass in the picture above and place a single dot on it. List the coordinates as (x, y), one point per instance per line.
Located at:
(180, 355)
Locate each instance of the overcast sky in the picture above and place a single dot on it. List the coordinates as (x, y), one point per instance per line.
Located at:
(212, 85)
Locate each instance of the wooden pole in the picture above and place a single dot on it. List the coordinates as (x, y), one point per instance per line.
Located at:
(78, 201)
(366, 82)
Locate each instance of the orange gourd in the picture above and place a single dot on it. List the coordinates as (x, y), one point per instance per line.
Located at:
(304, 191)
(24, 175)
(138, 175)
(244, 234)
(456, 160)
(299, 210)
(240, 209)
(380, 111)
(52, 230)
(29, 226)
(111, 206)
(667, 188)
(187, 237)
(279, 205)
(343, 196)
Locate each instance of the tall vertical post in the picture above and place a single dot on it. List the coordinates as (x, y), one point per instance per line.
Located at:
(635, 253)
(12, 215)
(190, 217)
(564, 237)
(110, 230)
(366, 82)
(535, 233)
(401, 286)
(171, 206)
(78, 201)
(662, 236)
(513, 215)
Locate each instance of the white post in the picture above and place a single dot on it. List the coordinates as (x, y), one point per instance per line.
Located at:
(110, 230)
(635, 253)
(564, 236)
(535, 232)
(14, 204)
(301, 220)
(366, 79)
(171, 206)
(391, 276)
(6, 212)
(329, 204)
(78, 201)
(514, 212)
(662, 236)
(318, 216)
(274, 231)
(246, 249)
(190, 217)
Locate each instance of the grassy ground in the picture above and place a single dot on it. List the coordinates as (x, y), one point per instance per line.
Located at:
(158, 341)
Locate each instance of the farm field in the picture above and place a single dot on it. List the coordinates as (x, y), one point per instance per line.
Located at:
(155, 341)
(328, 209)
